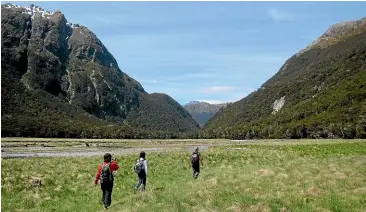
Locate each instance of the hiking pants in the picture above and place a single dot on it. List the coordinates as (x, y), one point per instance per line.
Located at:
(142, 180)
(196, 169)
(107, 193)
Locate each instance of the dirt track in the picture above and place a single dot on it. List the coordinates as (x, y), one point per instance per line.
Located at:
(54, 151)
(34, 147)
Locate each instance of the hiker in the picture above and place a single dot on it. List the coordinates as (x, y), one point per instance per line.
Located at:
(196, 161)
(141, 170)
(105, 174)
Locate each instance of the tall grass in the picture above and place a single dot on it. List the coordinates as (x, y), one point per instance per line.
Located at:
(319, 177)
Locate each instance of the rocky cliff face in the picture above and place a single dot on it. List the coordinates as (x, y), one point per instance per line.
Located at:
(67, 60)
(336, 33)
(44, 51)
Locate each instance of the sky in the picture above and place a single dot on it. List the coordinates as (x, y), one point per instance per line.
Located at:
(205, 51)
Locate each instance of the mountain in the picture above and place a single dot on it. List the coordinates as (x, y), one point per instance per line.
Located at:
(56, 74)
(320, 92)
(159, 109)
(202, 111)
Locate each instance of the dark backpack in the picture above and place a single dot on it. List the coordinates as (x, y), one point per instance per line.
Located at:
(139, 166)
(106, 174)
(195, 157)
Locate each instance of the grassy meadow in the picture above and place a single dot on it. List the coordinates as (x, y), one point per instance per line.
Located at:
(268, 176)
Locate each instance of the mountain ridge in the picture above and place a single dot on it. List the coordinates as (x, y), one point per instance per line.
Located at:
(319, 93)
(336, 33)
(44, 54)
(202, 111)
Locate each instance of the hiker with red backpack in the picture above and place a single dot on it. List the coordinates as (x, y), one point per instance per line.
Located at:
(196, 161)
(105, 175)
(141, 169)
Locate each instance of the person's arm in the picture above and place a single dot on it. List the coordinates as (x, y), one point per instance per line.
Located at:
(97, 175)
(114, 166)
(145, 166)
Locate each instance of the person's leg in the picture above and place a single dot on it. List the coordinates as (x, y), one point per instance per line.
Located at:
(139, 182)
(108, 198)
(196, 174)
(138, 185)
(102, 185)
(143, 182)
(195, 170)
(198, 170)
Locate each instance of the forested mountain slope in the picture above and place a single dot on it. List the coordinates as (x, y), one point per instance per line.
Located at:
(319, 92)
(58, 79)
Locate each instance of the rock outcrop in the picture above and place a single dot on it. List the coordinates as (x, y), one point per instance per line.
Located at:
(42, 51)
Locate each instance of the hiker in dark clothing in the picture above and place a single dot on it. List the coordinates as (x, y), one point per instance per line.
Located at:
(196, 161)
(141, 170)
(105, 174)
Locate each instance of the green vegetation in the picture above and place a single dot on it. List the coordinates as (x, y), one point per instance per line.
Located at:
(62, 82)
(268, 176)
(202, 111)
(161, 112)
(325, 97)
(39, 114)
(70, 86)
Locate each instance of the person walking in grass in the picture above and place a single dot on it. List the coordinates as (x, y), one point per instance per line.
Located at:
(105, 175)
(196, 161)
(141, 170)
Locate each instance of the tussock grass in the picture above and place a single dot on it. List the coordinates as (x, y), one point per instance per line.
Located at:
(244, 177)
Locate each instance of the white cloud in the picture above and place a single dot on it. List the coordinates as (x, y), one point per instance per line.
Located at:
(280, 16)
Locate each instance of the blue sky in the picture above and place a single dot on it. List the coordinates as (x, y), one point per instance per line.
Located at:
(208, 51)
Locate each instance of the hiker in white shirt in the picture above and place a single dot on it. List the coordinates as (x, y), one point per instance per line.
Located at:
(141, 170)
